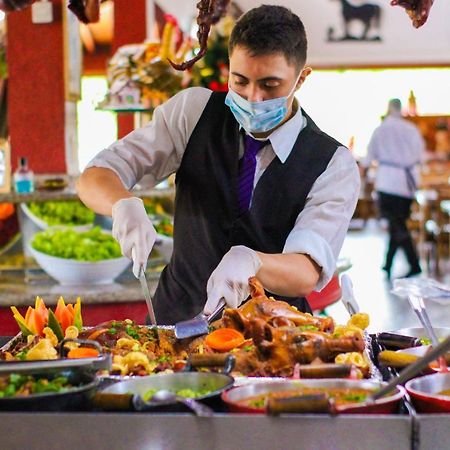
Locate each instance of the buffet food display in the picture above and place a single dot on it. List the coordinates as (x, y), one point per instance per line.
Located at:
(266, 355)
(266, 337)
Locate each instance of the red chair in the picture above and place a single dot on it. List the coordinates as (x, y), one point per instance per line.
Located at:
(330, 294)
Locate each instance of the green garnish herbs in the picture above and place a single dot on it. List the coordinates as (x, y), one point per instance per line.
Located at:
(24, 385)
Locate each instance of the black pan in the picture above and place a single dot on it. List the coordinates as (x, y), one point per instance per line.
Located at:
(78, 397)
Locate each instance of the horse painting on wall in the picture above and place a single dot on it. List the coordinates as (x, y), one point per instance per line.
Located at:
(361, 22)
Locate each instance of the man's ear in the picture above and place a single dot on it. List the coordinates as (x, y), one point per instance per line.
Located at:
(304, 73)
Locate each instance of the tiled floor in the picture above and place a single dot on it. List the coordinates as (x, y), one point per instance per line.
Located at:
(387, 312)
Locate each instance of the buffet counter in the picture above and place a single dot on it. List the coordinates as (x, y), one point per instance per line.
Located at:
(69, 192)
(20, 290)
(120, 300)
(108, 431)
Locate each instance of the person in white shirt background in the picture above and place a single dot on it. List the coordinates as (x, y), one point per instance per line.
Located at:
(398, 148)
(280, 212)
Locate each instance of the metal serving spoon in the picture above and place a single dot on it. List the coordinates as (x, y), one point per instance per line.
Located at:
(166, 396)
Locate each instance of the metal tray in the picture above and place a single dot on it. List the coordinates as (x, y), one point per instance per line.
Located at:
(375, 373)
(102, 362)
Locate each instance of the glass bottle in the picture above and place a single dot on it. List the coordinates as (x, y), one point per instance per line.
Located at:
(23, 177)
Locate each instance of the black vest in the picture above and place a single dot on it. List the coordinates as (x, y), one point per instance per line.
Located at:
(207, 219)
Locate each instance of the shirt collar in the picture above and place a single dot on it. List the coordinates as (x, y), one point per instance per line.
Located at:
(283, 138)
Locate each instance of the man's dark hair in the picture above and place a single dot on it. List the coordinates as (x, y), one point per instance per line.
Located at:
(271, 29)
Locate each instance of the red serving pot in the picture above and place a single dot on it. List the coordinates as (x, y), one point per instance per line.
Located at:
(424, 393)
(386, 405)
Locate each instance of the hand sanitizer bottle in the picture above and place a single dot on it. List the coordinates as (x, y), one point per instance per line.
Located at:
(23, 177)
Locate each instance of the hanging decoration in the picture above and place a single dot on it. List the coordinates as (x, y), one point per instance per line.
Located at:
(209, 13)
(212, 71)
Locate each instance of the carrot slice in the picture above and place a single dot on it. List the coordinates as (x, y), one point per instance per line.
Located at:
(70, 308)
(224, 339)
(60, 306)
(36, 323)
(65, 319)
(83, 352)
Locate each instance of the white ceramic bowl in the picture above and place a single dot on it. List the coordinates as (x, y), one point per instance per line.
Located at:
(73, 272)
(44, 225)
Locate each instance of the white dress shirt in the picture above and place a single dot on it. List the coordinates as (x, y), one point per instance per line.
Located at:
(156, 150)
(396, 145)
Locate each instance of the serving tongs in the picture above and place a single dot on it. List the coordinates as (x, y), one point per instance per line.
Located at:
(416, 302)
(321, 403)
(348, 296)
(199, 324)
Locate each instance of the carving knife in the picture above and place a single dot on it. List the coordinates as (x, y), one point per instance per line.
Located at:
(147, 296)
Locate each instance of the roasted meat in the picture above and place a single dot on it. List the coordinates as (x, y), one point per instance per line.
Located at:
(275, 313)
(283, 347)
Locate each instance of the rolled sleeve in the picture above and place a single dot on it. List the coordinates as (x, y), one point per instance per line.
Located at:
(110, 159)
(321, 226)
(310, 243)
(156, 149)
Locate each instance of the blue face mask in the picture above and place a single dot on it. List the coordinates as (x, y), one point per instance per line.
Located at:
(258, 117)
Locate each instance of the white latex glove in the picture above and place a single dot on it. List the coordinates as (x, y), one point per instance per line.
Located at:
(230, 278)
(133, 230)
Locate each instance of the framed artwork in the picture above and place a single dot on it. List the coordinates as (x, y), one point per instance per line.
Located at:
(72, 56)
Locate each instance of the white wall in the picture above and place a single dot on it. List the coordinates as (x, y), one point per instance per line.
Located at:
(401, 43)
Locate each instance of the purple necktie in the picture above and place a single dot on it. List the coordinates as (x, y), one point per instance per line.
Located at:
(247, 171)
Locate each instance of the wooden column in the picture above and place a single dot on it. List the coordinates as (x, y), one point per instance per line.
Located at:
(129, 28)
(36, 110)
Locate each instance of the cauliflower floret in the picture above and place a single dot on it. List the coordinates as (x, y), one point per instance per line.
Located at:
(360, 320)
(354, 358)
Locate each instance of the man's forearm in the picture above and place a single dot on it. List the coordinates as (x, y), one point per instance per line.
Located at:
(99, 188)
(292, 275)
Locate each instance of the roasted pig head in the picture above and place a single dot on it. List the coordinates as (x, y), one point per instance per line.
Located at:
(285, 346)
(276, 313)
